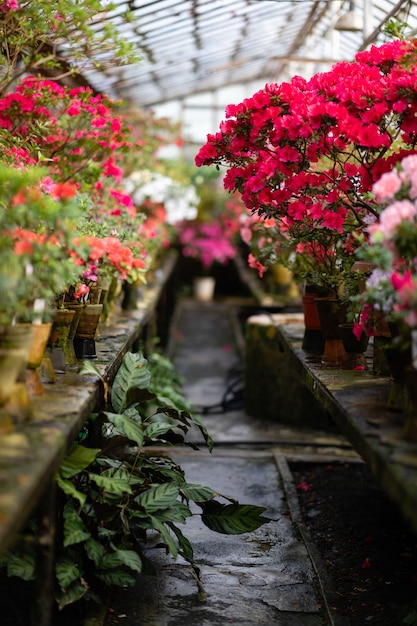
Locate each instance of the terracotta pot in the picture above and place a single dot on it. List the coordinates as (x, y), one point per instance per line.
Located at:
(17, 337)
(313, 341)
(37, 350)
(331, 314)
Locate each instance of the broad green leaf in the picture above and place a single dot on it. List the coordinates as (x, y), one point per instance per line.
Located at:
(198, 493)
(233, 519)
(177, 513)
(133, 372)
(127, 426)
(66, 571)
(69, 489)
(129, 558)
(89, 367)
(78, 458)
(112, 484)
(94, 550)
(119, 578)
(207, 438)
(72, 594)
(74, 529)
(23, 566)
(155, 430)
(158, 497)
(185, 547)
(166, 535)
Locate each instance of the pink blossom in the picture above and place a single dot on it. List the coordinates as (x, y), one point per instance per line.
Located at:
(394, 215)
(387, 186)
(409, 166)
(9, 5)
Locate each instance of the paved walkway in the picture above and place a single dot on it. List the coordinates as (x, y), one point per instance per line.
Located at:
(264, 578)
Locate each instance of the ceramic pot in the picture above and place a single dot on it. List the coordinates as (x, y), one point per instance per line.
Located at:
(313, 341)
(203, 288)
(331, 314)
(410, 426)
(37, 350)
(399, 358)
(354, 348)
(84, 340)
(59, 343)
(17, 337)
(131, 295)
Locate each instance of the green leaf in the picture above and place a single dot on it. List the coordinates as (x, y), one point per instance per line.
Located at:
(207, 438)
(127, 427)
(129, 558)
(158, 497)
(21, 565)
(94, 550)
(66, 571)
(74, 529)
(133, 372)
(112, 484)
(155, 430)
(77, 460)
(166, 536)
(72, 594)
(118, 578)
(198, 493)
(177, 513)
(233, 519)
(185, 547)
(69, 489)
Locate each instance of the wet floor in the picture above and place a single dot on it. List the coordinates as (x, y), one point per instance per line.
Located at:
(263, 578)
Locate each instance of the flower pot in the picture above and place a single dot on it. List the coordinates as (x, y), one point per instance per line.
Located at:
(354, 348)
(313, 341)
(84, 340)
(131, 295)
(399, 358)
(17, 337)
(410, 426)
(331, 314)
(60, 345)
(11, 360)
(203, 288)
(38, 345)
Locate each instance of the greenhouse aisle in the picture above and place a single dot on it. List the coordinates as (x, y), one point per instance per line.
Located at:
(263, 578)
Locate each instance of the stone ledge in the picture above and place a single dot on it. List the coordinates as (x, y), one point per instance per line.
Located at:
(30, 454)
(356, 402)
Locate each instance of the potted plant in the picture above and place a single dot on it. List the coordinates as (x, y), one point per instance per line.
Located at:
(305, 154)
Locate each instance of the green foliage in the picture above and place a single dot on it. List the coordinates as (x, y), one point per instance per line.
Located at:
(121, 494)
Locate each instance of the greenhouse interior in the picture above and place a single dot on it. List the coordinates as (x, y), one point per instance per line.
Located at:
(208, 328)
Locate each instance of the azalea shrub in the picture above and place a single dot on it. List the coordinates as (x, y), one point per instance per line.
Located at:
(391, 247)
(206, 242)
(38, 241)
(305, 153)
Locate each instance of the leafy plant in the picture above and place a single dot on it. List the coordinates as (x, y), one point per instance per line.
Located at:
(120, 492)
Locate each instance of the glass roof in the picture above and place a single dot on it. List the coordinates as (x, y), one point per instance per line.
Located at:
(194, 46)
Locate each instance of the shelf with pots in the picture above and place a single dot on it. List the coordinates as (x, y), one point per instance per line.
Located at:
(34, 446)
(354, 400)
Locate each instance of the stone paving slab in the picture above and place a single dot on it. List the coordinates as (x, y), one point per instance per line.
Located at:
(263, 578)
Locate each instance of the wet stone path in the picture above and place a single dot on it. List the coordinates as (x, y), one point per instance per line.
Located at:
(263, 578)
